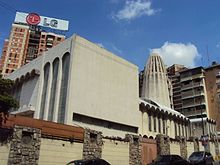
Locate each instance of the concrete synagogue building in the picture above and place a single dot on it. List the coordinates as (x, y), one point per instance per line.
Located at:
(79, 83)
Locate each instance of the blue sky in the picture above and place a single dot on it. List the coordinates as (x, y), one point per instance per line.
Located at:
(185, 32)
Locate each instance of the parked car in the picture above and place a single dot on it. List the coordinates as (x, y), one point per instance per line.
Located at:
(169, 160)
(201, 158)
(89, 162)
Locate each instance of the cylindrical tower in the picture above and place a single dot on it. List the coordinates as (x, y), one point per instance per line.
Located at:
(155, 85)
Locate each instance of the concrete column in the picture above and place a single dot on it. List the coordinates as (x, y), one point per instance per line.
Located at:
(173, 129)
(39, 96)
(145, 123)
(161, 125)
(169, 127)
(57, 97)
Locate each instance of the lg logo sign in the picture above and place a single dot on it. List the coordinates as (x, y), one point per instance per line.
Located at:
(51, 23)
(35, 19)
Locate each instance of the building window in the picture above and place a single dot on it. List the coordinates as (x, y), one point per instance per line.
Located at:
(149, 123)
(175, 129)
(182, 130)
(155, 124)
(218, 75)
(164, 126)
(58, 39)
(53, 89)
(159, 125)
(186, 130)
(63, 88)
(44, 91)
(179, 130)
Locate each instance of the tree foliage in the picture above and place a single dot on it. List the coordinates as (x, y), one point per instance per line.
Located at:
(6, 100)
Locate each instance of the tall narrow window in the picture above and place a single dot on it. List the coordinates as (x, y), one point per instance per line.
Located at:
(179, 130)
(63, 88)
(155, 124)
(175, 129)
(53, 89)
(183, 130)
(164, 126)
(149, 123)
(159, 125)
(186, 129)
(44, 92)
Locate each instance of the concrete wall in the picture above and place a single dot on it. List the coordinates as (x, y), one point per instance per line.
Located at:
(107, 84)
(4, 153)
(29, 93)
(56, 152)
(190, 148)
(116, 152)
(212, 148)
(201, 147)
(174, 148)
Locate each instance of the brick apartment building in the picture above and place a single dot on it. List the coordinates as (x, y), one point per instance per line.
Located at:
(26, 42)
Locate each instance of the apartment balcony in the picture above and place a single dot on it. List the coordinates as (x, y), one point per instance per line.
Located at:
(192, 94)
(178, 105)
(191, 85)
(176, 93)
(193, 104)
(176, 87)
(50, 39)
(191, 77)
(178, 108)
(193, 112)
(49, 44)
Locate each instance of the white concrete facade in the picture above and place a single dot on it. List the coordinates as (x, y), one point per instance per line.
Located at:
(155, 83)
(78, 79)
(79, 83)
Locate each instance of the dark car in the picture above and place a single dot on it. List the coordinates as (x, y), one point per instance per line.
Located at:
(169, 160)
(89, 162)
(201, 158)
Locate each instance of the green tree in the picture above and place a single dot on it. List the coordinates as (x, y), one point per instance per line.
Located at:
(6, 99)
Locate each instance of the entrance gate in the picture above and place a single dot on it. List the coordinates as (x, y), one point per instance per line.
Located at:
(148, 150)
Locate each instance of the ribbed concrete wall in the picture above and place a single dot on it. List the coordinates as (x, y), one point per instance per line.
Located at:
(115, 152)
(175, 148)
(212, 148)
(155, 86)
(4, 153)
(57, 152)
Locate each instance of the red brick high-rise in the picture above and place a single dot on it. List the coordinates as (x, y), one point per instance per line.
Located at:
(25, 43)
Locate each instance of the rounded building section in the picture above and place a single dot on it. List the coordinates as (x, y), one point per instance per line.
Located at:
(155, 86)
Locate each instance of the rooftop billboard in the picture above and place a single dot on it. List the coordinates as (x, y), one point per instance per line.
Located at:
(35, 19)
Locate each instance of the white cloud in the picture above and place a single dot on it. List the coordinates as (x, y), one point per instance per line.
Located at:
(134, 9)
(178, 53)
